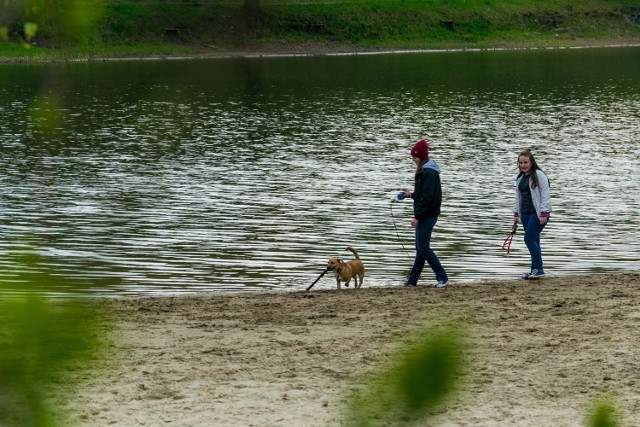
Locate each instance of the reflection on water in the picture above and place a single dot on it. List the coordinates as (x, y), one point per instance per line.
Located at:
(248, 174)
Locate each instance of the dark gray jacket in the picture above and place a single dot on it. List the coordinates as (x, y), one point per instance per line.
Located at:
(427, 193)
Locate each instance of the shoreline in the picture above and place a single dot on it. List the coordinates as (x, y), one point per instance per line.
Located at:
(313, 51)
(227, 55)
(540, 353)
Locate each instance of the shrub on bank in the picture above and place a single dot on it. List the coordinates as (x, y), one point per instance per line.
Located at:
(162, 27)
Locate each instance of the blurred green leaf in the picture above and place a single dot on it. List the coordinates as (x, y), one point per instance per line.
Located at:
(25, 270)
(423, 374)
(428, 372)
(603, 415)
(44, 343)
(47, 114)
(30, 29)
(53, 20)
(40, 342)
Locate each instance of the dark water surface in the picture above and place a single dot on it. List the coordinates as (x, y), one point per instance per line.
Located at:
(167, 177)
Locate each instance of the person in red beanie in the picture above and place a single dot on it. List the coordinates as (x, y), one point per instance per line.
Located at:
(427, 199)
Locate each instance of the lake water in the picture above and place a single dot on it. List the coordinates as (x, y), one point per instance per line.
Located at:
(171, 177)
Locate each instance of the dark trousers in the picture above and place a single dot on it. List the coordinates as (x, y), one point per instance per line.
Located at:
(424, 253)
(532, 230)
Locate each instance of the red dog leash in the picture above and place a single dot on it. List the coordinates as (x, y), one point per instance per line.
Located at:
(507, 242)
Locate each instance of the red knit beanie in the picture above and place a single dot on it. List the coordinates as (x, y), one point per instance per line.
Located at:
(420, 149)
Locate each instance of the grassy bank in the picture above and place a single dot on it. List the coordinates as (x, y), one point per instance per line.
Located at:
(144, 27)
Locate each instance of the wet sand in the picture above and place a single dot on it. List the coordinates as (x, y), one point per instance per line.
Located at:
(540, 353)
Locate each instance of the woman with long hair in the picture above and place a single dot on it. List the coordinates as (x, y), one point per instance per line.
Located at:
(532, 208)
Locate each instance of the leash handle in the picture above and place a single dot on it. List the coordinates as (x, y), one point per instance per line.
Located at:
(506, 245)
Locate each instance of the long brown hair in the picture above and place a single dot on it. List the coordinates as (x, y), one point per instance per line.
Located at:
(533, 176)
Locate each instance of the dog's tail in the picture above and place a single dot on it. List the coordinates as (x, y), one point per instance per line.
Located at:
(349, 248)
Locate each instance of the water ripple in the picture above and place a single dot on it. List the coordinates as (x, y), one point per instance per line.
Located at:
(252, 181)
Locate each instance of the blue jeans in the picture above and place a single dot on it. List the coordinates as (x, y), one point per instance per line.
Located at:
(424, 253)
(532, 229)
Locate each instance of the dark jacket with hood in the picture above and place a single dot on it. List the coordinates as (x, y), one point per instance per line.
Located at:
(427, 193)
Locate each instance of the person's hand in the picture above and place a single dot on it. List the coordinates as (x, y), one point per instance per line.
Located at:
(516, 218)
(406, 192)
(543, 220)
(414, 222)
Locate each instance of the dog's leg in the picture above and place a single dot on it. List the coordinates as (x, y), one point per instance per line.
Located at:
(338, 281)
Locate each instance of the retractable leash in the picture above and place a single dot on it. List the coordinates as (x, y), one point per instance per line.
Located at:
(507, 242)
(393, 220)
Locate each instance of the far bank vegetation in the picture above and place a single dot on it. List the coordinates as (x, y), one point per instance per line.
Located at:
(94, 27)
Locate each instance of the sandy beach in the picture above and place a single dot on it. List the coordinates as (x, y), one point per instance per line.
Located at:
(540, 353)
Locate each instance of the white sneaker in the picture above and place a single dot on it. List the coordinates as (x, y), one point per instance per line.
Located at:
(442, 283)
(535, 274)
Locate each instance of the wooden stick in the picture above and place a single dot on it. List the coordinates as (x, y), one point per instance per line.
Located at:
(316, 281)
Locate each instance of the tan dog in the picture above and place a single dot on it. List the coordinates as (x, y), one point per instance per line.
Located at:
(345, 271)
